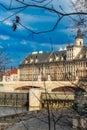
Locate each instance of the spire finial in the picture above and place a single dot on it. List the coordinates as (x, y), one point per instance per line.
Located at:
(68, 40)
(79, 34)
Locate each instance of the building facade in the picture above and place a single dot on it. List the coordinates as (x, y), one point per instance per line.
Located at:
(63, 65)
(10, 75)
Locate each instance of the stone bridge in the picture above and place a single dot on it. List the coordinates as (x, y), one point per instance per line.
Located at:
(12, 86)
(37, 88)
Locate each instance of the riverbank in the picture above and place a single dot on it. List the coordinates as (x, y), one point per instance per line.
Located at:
(59, 119)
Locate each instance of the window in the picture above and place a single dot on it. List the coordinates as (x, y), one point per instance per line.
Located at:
(86, 64)
(80, 43)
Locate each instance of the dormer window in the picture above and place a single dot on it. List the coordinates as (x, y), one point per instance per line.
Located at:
(31, 59)
(61, 57)
(57, 58)
(36, 59)
(51, 59)
(26, 61)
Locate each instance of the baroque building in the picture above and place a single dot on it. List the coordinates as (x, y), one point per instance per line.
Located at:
(63, 65)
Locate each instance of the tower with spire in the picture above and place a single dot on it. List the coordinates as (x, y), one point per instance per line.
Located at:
(79, 38)
(74, 50)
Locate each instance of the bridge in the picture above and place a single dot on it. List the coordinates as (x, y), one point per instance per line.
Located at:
(12, 86)
(36, 88)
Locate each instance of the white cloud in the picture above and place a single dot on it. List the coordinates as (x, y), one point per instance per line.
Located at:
(27, 18)
(69, 30)
(24, 42)
(4, 37)
(27, 26)
(55, 46)
(8, 22)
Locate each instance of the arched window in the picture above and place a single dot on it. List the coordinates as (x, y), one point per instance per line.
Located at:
(80, 42)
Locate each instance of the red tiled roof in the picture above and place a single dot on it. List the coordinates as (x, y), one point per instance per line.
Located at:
(11, 71)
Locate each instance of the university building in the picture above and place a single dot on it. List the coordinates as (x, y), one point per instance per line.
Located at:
(63, 65)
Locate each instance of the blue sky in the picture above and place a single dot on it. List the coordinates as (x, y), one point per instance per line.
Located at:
(17, 44)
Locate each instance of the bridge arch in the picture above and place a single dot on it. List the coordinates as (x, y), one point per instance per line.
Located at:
(62, 96)
(26, 88)
(67, 89)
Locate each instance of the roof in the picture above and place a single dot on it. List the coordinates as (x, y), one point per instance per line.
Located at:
(82, 54)
(79, 34)
(48, 57)
(10, 72)
(44, 57)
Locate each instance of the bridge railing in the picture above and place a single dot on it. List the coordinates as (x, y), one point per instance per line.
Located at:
(57, 100)
(57, 96)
